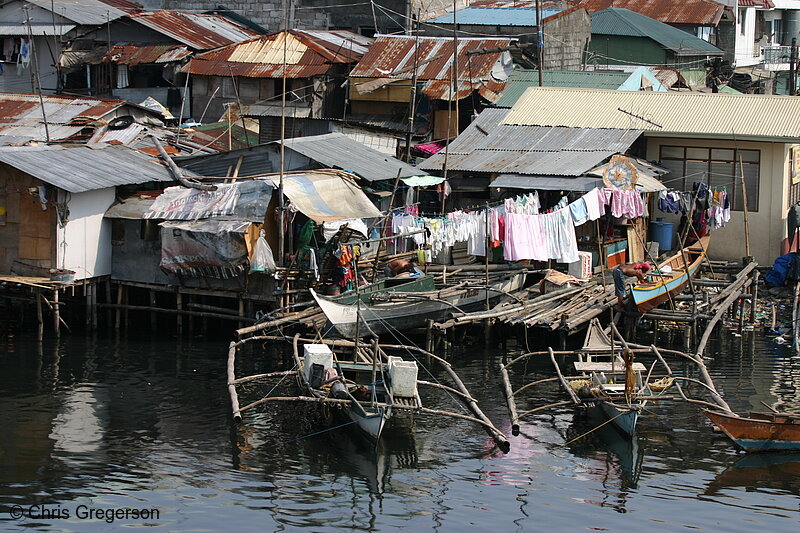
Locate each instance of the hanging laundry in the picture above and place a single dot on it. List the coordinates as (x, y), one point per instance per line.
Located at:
(579, 211)
(593, 204)
(626, 204)
(669, 202)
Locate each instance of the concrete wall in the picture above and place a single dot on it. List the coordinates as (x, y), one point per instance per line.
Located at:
(84, 243)
(768, 224)
(353, 15)
(566, 39)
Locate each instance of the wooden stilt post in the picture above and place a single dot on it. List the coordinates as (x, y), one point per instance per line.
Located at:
(39, 321)
(153, 316)
(741, 314)
(117, 315)
(429, 336)
(108, 301)
(179, 307)
(126, 300)
(754, 299)
(241, 309)
(94, 306)
(655, 331)
(56, 314)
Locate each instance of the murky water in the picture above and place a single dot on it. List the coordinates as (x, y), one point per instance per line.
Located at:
(92, 423)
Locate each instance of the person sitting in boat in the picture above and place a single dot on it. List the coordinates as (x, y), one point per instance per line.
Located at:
(395, 267)
(621, 275)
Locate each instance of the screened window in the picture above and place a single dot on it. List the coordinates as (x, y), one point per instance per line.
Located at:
(719, 168)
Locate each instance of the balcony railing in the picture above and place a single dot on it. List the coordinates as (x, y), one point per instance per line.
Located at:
(776, 54)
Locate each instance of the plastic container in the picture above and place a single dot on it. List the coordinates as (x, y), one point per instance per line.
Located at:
(318, 354)
(661, 232)
(403, 375)
(582, 268)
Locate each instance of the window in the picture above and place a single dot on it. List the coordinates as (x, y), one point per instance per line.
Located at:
(719, 168)
(742, 20)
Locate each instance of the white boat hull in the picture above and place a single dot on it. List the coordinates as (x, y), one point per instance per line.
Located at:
(383, 317)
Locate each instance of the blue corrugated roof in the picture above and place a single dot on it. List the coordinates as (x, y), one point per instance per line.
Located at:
(627, 23)
(495, 16)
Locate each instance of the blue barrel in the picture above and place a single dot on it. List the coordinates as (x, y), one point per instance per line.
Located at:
(661, 232)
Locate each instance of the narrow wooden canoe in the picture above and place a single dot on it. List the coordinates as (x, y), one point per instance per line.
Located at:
(760, 432)
(660, 287)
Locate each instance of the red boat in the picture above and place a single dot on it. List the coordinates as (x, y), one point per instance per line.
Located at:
(762, 431)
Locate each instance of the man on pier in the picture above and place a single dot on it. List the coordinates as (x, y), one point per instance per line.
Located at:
(621, 275)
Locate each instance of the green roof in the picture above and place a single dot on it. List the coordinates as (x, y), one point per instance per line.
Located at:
(521, 79)
(627, 23)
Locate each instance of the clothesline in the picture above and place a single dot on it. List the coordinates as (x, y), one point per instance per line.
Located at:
(520, 226)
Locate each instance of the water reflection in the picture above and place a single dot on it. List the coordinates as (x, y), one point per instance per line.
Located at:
(147, 421)
(773, 471)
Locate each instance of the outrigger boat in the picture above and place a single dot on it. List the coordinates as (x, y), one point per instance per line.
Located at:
(399, 310)
(607, 380)
(365, 384)
(612, 381)
(670, 277)
(761, 431)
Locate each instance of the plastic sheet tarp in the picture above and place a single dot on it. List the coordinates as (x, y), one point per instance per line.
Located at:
(243, 200)
(214, 248)
(327, 197)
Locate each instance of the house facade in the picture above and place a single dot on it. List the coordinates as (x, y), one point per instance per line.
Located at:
(708, 138)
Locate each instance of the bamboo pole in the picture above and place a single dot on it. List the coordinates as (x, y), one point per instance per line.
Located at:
(512, 407)
(717, 315)
(185, 312)
(56, 314)
(563, 381)
(237, 415)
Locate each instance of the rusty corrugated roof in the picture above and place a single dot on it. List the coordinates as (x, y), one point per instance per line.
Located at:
(308, 53)
(393, 57)
(700, 12)
(196, 30)
(131, 54)
(21, 115)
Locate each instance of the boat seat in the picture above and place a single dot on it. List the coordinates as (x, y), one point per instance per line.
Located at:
(617, 387)
(581, 366)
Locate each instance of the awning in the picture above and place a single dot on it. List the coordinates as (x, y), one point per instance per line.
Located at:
(326, 197)
(645, 183)
(555, 183)
(422, 181)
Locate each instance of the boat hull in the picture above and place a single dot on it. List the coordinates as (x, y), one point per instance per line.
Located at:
(624, 418)
(646, 296)
(758, 435)
(386, 317)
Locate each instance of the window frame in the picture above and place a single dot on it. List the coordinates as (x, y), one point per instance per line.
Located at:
(733, 186)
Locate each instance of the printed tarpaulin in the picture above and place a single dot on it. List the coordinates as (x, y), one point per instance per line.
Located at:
(327, 197)
(243, 200)
(214, 248)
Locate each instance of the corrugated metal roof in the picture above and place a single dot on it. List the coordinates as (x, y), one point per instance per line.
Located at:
(86, 12)
(487, 145)
(336, 150)
(197, 30)
(308, 53)
(624, 22)
(21, 114)
(131, 54)
(394, 56)
(81, 168)
(664, 113)
(521, 79)
(494, 16)
(699, 12)
(35, 29)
